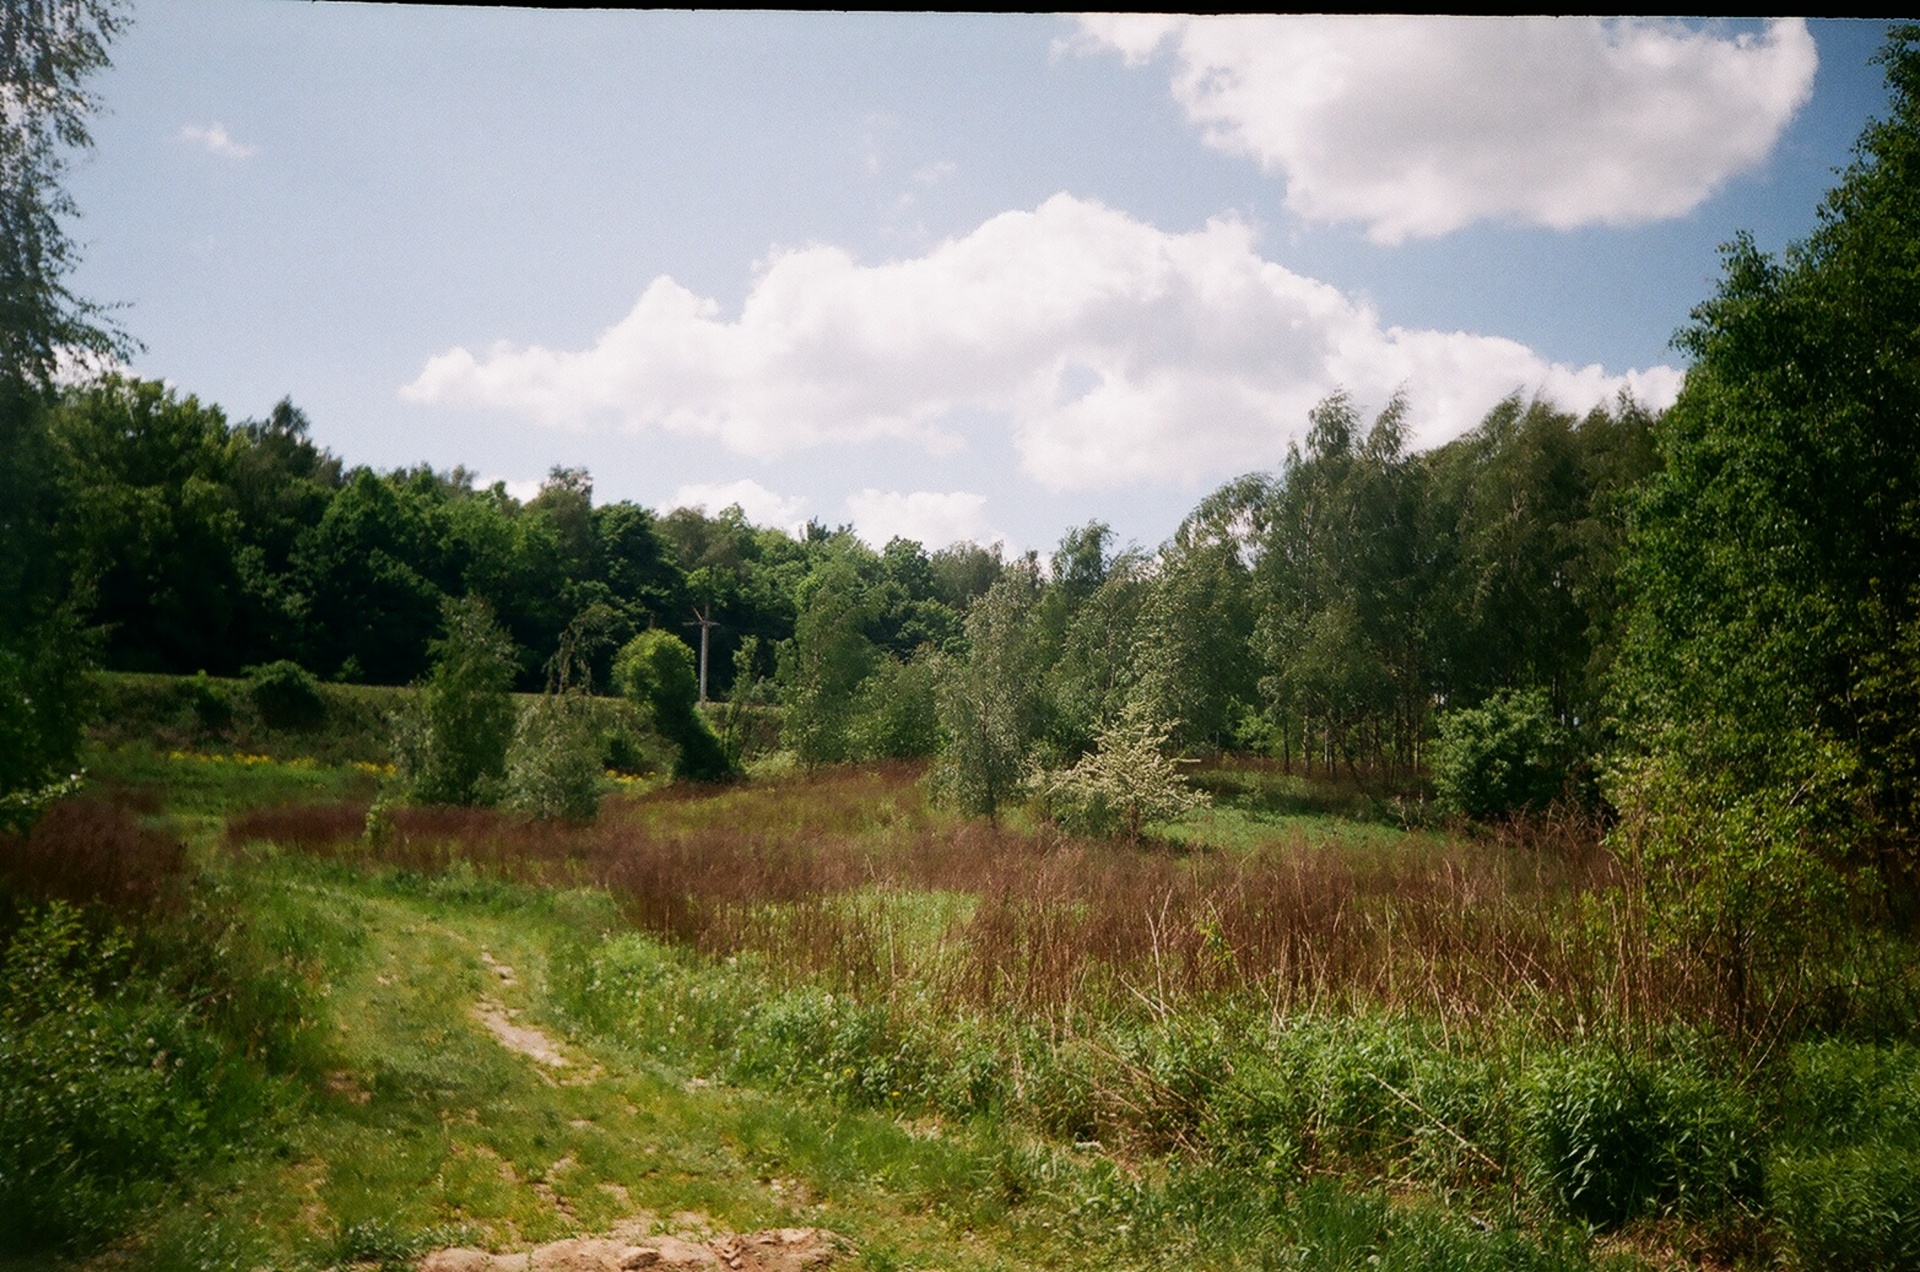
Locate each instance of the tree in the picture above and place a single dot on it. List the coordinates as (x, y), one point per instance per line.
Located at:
(452, 747)
(47, 51)
(1340, 586)
(1507, 755)
(991, 707)
(655, 672)
(1769, 655)
(553, 763)
(821, 669)
(368, 569)
(147, 522)
(1127, 780)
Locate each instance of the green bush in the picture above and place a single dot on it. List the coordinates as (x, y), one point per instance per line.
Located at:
(1615, 1137)
(895, 715)
(1128, 780)
(1843, 1093)
(1506, 755)
(105, 1086)
(1855, 1208)
(654, 671)
(285, 695)
(450, 744)
(209, 703)
(553, 765)
(1846, 1185)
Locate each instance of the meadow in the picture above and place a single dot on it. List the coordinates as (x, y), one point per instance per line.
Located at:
(1311, 1027)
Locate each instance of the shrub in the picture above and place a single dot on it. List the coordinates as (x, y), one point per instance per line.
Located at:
(207, 699)
(89, 853)
(1856, 1208)
(1847, 1187)
(450, 744)
(45, 700)
(553, 766)
(286, 695)
(1129, 780)
(1504, 756)
(101, 1093)
(1844, 1093)
(654, 671)
(895, 716)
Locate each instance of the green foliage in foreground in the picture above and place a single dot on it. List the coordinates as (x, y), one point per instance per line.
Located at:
(1550, 1132)
(114, 1083)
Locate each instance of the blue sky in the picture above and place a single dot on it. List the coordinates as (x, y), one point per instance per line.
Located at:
(981, 276)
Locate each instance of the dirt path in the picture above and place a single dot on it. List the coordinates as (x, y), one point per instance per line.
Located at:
(454, 1124)
(632, 1244)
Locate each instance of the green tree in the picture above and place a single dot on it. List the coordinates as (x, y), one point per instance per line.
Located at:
(1127, 780)
(822, 667)
(1506, 755)
(1340, 588)
(369, 572)
(1769, 653)
(148, 524)
(553, 764)
(896, 713)
(992, 710)
(452, 746)
(655, 672)
(1195, 642)
(46, 54)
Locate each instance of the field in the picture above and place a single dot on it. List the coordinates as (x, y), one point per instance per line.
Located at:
(1297, 1030)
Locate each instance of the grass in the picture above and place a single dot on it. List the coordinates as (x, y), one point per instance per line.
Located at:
(1315, 1042)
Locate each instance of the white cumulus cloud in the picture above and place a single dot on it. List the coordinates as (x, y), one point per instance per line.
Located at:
(1114, 352)
(931, 517)
(762, 507)
(1419, 126)
(215, 139)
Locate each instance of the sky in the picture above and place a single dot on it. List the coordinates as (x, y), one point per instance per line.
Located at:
(946, 277)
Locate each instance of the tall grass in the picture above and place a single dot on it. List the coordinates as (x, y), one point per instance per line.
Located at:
(1496, 1019)
(1538, 922)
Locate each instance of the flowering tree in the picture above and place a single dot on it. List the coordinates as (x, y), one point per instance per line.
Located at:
(1127, 781)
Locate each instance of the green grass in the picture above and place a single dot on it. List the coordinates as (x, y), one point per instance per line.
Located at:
(1124, 1130)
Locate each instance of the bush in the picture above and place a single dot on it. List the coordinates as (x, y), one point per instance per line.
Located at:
(1127, 782)
(553, 766)
(88, 853)
(1856, 1208)
(1847, 1186)
(209, 702)
(895, 716)
(1506, 755)
(450, 744)
(285, 695)
(654, 671)
(45, 700)
(102, 1092)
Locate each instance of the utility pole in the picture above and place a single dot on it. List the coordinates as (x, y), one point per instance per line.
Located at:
(705, 624)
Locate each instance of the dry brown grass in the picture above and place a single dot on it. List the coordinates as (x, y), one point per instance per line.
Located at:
(96, 851)
(1538, 920)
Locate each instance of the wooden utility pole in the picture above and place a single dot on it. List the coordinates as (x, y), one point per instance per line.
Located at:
(705, 624)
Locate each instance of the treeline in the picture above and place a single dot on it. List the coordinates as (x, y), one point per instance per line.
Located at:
(195, 544)
(1323, 612)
